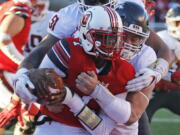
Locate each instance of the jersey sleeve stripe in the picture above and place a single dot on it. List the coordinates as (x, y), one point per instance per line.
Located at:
(65, 46)
(60, 54)
(54, 58)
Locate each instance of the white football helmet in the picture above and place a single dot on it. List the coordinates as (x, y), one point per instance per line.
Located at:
(100, 32)
(173, 22)
(89, 3)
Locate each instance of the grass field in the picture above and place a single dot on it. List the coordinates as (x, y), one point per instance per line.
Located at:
(163, 123)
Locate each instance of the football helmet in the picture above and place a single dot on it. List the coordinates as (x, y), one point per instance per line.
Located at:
(135, 27)
(89, 3)
(100, 32)
(173, 22)
(39, 10)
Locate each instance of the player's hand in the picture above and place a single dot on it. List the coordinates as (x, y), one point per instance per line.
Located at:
(49, 86)
(143, 79)
(23, 86)
(11, 111)
(86, 82)
(175, 77)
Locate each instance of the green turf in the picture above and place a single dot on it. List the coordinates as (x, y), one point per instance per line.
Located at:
(165, 123)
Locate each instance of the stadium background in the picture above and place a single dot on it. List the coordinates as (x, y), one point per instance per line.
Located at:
(164, 122)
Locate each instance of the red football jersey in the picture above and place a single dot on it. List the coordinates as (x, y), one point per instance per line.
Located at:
(21, 38)
(120, 72)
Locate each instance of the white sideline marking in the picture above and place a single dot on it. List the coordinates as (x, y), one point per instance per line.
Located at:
(165, 120)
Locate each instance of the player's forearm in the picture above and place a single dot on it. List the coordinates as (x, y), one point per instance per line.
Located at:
(160, 48)
(116, 108)
(120, 110)
(95, 124)
(139, 102)
(34, 59)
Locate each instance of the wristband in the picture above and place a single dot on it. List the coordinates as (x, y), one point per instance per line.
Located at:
(73, 101)
(160, 66)
(89, 118)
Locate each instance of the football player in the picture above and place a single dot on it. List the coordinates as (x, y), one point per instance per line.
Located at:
(75, 12)
(16, 18)
(61, 26)
(134, 46)
(167, 92)
(98, 46)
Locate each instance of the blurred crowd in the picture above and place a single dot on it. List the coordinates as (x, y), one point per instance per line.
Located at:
(161, 8)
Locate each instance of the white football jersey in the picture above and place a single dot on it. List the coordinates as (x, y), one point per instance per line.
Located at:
(172, 44)
(38, 31)
(145, 58)
(65, 22)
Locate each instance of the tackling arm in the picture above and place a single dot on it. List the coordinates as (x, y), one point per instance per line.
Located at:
(160, 48)
(139, 101)
(39, 53)
(123, 111)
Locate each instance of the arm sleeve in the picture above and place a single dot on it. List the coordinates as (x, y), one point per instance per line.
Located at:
(116, 108)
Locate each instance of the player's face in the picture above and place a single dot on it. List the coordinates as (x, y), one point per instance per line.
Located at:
(107, 43)
(133, 39)
(175, 24)
(132, 45)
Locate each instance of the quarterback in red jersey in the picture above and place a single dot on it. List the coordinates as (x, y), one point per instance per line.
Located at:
(97, 76)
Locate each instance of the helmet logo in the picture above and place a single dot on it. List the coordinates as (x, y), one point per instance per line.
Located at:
(97, 43)
(135, 27)
(85, 19)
